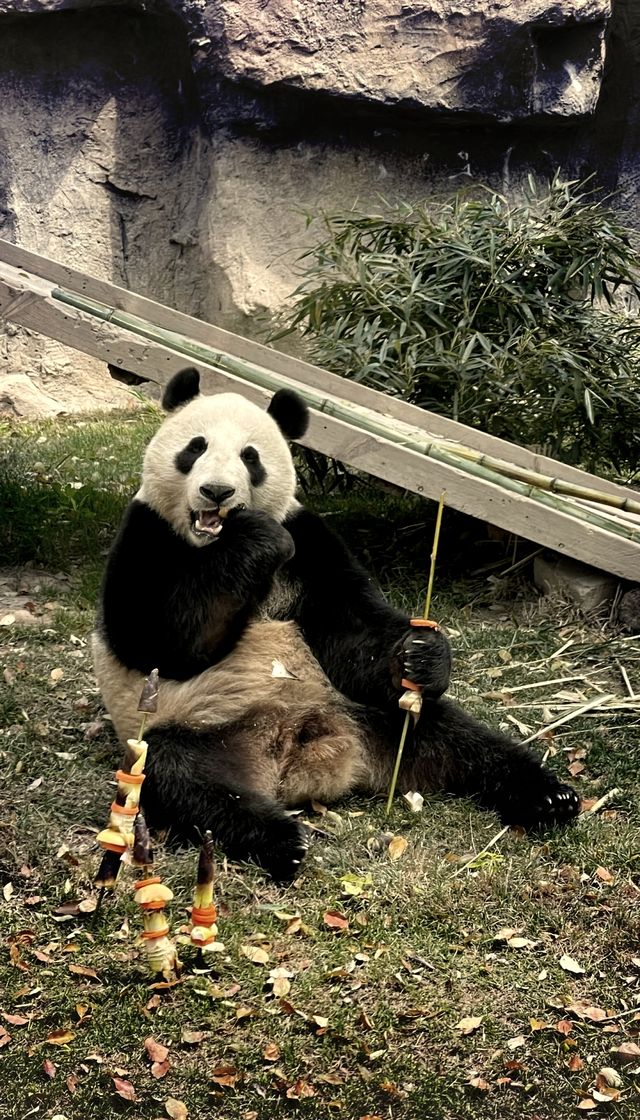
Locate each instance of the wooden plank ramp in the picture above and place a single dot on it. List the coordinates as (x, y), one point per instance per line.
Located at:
(362, 427)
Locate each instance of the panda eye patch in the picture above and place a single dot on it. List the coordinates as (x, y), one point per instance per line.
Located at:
(187, 457)
(251, 459)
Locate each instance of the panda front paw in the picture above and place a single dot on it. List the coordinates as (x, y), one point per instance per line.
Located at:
(545, 803)
(286, 843)
(263, 536)
(425, 659)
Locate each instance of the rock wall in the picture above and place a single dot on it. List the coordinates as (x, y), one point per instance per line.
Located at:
(173, 147)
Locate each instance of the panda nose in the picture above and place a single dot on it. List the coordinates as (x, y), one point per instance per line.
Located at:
(217, 494)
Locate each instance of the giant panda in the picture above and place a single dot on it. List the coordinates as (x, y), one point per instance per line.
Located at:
(280, 662)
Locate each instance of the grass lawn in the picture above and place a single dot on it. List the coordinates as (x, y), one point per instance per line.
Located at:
(462, 984)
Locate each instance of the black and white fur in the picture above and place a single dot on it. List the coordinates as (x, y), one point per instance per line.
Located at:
(280, 662)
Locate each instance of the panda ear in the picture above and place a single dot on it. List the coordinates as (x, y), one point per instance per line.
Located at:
(290, 413)
(183, 387)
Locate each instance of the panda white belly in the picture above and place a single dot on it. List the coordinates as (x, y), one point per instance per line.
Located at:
(319, 748)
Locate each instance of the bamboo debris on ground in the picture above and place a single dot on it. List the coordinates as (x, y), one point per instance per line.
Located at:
(482, 852)
(545, 490)
(573, 714)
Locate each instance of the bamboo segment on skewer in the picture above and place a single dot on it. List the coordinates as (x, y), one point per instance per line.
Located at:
(118, 838)
(203, 933)
(545, 490)
(152, 896)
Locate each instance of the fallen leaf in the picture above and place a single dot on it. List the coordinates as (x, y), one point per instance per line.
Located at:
(192, 1038)
(124, 1089)
(49, 1069)
(56, 674)
(469, 1024)
(514, 1043)
(505, 933)
(7, 891)
(80, 970)
(520, 943)
(353, 885)
(160, 1069)
(576, 768)
(255, 954)
(280, 980)
(15, 1020)
(60, 1038)
(397, 847)
(5, 1037)
(575, 1063)
(245, 1013)
(226, 1076)
(320, 1021)
(610, 1077)
(603, 874)
(155, 1050)
(300, 1089)
(479, 1083)
(335, 920)
(538, 1025)
(564, 1026)
(571, 965)
(585, 1011)
(271, 1052)
(177, 1110)
(586, 1104)
(605, 1095)
(629, 1051)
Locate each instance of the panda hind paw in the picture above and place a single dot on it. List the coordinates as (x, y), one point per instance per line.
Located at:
(551, 805)
(286, 846)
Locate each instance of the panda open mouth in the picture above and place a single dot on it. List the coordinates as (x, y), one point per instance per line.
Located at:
(207, 522)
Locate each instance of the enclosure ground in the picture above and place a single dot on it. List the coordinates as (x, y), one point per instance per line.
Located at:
(451, 984)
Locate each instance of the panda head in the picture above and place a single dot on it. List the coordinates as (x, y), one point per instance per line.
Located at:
(215, 453)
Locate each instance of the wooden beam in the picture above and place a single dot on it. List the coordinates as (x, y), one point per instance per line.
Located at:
(27, 300)
(295, 369)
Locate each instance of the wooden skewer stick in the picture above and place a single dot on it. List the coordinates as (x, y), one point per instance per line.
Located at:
(411, 700)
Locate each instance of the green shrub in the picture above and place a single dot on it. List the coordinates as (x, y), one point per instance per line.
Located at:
(508, 316)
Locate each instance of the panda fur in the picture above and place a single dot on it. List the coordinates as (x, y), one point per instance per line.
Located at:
(280, 663)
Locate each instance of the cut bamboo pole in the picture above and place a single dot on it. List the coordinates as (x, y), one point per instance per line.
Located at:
(411, 701)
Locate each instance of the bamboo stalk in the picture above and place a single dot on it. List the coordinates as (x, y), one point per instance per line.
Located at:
(411, 696)
(466, 460)
(546, 482)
